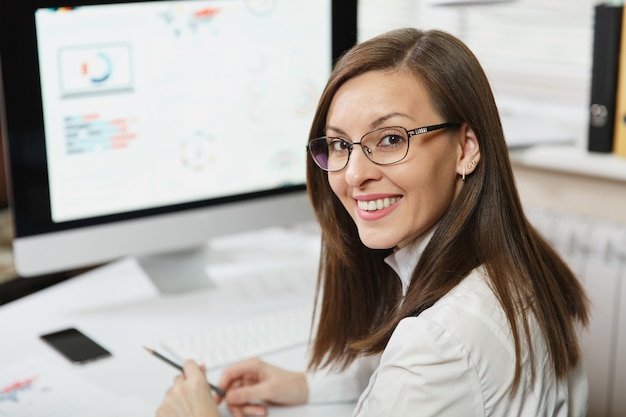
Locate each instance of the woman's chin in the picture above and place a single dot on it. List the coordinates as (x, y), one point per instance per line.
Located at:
(377, 241)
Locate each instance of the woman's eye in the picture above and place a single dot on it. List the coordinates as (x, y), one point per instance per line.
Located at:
(338, 145)
(391, 140)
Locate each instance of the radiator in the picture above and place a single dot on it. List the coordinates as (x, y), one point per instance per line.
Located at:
(595, 250)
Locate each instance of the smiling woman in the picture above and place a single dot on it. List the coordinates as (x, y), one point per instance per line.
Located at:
(421, 179)
(436, 295)
(469, 262)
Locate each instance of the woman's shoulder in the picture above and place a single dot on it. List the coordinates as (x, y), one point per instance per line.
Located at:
(471, 315)
(466, 337)
(473, 296)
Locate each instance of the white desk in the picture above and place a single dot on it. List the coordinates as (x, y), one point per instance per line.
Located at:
(120, 308)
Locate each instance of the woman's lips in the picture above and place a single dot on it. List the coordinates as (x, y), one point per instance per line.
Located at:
(376, 208)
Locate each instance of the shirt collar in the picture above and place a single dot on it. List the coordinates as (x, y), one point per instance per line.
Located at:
(404, 260)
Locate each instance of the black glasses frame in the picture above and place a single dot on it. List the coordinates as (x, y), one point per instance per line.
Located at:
(410, 133)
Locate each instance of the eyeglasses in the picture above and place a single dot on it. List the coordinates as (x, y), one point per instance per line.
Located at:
(384, 146)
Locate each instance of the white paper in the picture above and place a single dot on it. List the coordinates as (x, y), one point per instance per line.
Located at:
(89, 290)
(33, 388)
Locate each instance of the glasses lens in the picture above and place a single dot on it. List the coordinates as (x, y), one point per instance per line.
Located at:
(330, 154)
(387, 145)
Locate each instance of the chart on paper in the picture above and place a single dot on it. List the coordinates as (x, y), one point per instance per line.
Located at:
(35, 388)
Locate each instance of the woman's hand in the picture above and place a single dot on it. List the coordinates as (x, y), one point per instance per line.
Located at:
(189, 396)
(253, 383)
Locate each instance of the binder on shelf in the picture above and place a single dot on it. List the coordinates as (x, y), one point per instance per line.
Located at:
(607, 34)
(619, 133)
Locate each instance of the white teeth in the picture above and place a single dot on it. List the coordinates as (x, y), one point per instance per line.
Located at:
(374, 205)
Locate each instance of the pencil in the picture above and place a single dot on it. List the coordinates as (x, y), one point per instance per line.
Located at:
(218, 390)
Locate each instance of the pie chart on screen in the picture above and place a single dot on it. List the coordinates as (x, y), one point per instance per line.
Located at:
(98, 69)
(95, 69)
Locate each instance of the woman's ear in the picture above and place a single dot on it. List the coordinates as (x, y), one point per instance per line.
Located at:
(469, 151)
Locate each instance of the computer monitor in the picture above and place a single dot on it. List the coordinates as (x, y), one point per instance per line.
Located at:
(143, 128)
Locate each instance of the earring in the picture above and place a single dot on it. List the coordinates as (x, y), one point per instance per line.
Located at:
(469, 166)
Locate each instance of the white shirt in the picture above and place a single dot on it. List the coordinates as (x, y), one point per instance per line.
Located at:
(456, 358)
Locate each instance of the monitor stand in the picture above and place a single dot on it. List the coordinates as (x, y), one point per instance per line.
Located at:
(179, 271)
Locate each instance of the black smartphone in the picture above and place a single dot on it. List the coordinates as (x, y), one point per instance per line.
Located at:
(75, 345)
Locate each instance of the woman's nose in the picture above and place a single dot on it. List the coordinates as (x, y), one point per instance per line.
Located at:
(360, 169)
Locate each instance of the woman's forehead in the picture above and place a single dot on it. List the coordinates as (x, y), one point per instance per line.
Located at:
(375, 96)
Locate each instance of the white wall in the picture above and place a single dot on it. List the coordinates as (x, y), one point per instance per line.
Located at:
(529, 47)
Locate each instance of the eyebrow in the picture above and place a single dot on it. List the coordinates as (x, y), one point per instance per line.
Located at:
(375, 124)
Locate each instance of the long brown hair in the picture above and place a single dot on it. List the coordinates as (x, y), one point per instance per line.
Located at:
(360, 295)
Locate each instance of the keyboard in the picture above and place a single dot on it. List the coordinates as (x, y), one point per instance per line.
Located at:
(223, 345)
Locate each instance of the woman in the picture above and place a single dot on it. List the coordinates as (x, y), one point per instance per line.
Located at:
(409, 177)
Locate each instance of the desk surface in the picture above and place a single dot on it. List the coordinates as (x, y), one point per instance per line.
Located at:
(119, 307)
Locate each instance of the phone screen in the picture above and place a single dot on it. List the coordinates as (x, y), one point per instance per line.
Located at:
(75, 345)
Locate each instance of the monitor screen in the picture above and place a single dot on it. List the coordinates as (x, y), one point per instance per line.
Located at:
(135, 128)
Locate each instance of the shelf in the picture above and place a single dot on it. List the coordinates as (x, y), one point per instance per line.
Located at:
(572, 160)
